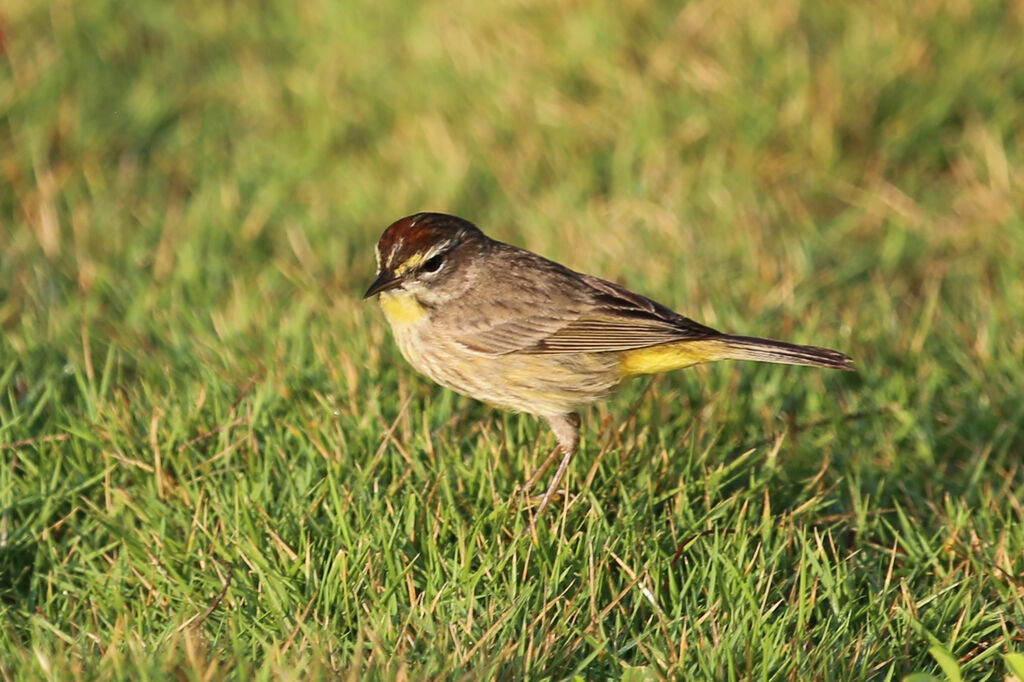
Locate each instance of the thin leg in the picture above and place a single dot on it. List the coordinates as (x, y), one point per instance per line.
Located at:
(540, 471)
(567, 432)
(555, 480)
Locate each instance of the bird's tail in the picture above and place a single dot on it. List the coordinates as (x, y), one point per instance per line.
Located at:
(667, 357)
(730, 347)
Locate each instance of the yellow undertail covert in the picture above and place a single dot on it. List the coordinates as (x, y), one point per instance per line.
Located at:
(670, 356)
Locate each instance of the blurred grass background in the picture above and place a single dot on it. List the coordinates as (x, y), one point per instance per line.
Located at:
(216, 464)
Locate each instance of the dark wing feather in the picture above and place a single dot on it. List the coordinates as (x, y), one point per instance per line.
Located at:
(556, 310)
(619, 320)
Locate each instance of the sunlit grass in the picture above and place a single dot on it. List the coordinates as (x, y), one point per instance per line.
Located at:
(217, 465)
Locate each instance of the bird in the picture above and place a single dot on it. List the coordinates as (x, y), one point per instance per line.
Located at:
(515, 330)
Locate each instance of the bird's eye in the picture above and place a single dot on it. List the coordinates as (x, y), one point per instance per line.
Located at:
(433, 264)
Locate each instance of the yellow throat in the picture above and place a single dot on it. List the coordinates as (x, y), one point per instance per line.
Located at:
(401, 308)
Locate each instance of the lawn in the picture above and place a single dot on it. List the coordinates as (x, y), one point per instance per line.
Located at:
(216, 464)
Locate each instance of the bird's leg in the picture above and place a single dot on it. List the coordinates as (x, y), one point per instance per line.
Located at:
(567, 432)
(529, 485)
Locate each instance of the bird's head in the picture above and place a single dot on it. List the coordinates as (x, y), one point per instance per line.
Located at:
(424, 253)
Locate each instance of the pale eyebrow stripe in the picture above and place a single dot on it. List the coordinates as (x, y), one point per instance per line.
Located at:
(394, 250)
(440, 248)
(417, 259)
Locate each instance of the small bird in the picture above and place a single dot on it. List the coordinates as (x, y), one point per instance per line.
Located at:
(518, 331)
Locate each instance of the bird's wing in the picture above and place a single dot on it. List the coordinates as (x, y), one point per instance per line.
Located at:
(568, 312)
(618, 320)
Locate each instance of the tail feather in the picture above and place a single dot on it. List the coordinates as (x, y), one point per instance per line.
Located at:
(671, 356)
(768, 350)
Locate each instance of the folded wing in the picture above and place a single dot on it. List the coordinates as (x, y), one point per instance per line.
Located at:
(582, 314)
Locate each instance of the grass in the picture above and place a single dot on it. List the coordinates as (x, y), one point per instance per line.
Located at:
(216, 465)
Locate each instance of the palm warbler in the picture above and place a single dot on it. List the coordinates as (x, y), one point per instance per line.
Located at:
(518, 331)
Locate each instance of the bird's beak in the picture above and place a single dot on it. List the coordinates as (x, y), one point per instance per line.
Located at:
(386, 280)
